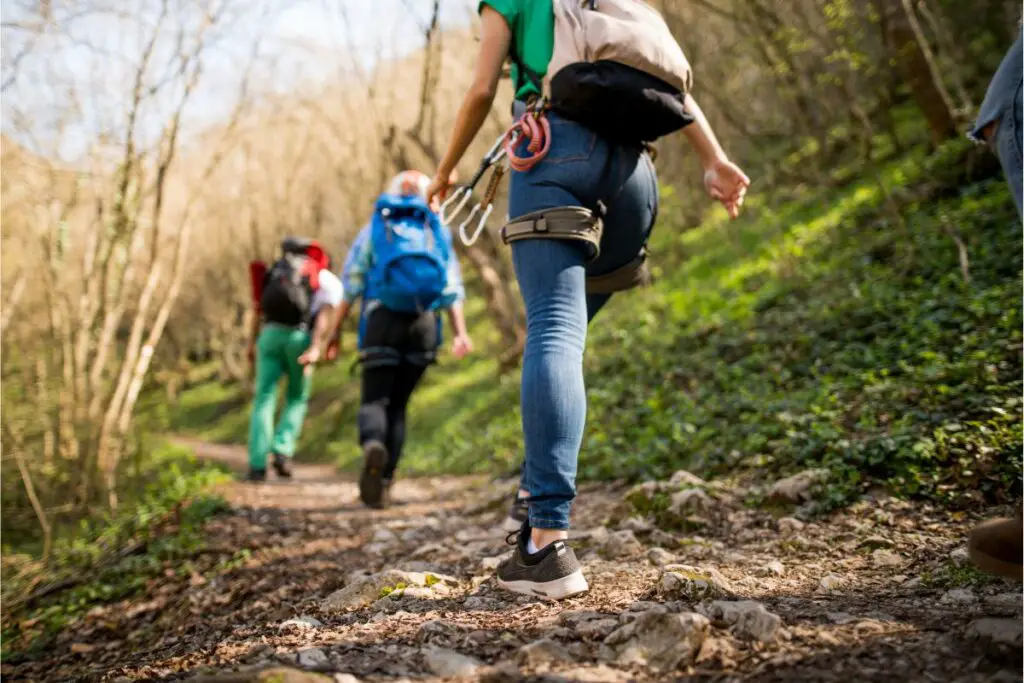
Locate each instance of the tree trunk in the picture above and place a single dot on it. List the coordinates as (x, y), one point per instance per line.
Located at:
(917, 67)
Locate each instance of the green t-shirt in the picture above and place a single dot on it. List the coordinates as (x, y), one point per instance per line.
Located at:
(533, 37)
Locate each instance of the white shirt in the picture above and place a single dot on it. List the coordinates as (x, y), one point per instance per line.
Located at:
(329, 293)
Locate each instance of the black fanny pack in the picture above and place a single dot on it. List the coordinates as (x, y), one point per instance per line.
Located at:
(616, 101)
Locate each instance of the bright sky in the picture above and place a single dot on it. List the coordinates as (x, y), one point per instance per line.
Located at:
(76, 78)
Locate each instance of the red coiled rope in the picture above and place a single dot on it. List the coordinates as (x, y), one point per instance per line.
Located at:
(534, 127)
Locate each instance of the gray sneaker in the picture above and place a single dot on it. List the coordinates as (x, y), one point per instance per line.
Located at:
(552, 573)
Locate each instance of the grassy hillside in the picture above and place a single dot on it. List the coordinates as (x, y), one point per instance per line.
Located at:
(832, 327)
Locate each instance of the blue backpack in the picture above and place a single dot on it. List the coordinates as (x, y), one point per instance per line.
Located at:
(411, 254)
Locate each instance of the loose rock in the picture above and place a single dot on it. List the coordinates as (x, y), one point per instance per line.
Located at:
(312, 658)
(746, 617)
(875, 542)
(790, 525)
(797, 488)
(477, 603)
(692, 583)
(718, 652)
(303, 623)
(448, 663)
(689, 501)
(598, 629)
(383, 536)
(663, 539)
(660, 557)
(1003, 604)
(437, 629)
(369, 589)
(831, 582)
(775, 568)
(886, 558)
(621, 544)
(637, 525)
(1001, 635)
(540, 652)
(661, 641)
(684, 478)
(958, 596)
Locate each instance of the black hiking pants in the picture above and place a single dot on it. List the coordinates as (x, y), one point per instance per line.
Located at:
(397, 348)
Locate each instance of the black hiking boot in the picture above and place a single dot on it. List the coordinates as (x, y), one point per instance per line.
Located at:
(283, 466)
(256, 475)
(372, 487)
(518, 514)
(552, 573)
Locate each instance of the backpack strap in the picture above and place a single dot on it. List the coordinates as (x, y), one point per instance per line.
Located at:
(523, 71)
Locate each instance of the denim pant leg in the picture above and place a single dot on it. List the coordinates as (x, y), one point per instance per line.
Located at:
(553, 401)
(1008, 146)
(580, 169)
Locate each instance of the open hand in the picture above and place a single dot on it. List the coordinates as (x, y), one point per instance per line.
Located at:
(728, 184)
(438, 189)
(462, 345)
(311, 356)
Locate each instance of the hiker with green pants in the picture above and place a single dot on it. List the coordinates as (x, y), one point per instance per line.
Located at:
(298, 302)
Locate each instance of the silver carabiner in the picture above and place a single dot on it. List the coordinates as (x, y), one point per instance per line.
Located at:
(463, 193)
(470, 241)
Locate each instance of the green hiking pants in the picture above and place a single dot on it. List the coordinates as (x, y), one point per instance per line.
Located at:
(277, 353)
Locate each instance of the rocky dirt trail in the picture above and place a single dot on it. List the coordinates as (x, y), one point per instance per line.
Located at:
(299, 582)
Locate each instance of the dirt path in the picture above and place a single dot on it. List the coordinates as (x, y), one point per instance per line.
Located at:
(292, 576)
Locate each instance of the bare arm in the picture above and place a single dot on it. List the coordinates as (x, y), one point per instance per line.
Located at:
(701, 137)
(723, 179)
(457, 319)
(462, 344)
(496, 36)
(324, 327)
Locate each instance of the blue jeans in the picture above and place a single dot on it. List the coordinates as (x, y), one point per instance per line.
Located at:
(580, 169)
(1008, 146)
(1002, 105)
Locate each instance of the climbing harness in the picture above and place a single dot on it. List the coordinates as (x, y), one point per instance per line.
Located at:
(533, 126)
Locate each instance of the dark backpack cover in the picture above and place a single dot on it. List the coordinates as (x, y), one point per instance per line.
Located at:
(618, 102)
(289, 286)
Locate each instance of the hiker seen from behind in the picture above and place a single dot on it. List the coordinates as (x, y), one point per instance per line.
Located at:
(297, 300)
(403, 268)
(595, 82)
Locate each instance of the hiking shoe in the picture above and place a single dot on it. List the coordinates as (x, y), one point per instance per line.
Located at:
(256, 475)
(518, 514)
(996, 547)
(283, 466)
(552, 573)
(371, 482)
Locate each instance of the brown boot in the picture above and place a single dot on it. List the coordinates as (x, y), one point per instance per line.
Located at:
(996, 547)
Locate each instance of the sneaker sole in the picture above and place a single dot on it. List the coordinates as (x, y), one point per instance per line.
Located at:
(371, 481)
(511, 524)
(559, 589)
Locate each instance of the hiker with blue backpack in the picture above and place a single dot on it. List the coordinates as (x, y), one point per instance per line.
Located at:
(403, 268)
